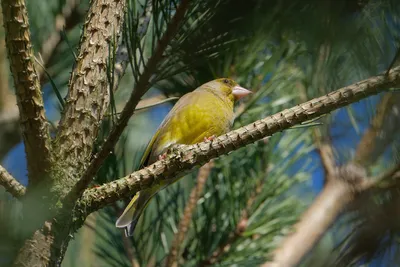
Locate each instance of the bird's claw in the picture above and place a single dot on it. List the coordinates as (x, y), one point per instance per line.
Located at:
(162, 156)
(209, 139)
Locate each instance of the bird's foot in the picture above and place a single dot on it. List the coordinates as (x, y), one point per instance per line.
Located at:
(209, 139)
(162, 156)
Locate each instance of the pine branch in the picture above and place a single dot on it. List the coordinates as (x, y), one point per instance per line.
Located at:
(88, 97)
(11, 184)
(36, 251)
(66, 20)
(340, 190)
(364, 152)
(324, 148)
(189, 156)
(35, 129)
(173, 257)
(140, 88)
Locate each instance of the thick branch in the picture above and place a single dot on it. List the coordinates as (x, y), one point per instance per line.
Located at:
(139, 90)
(366, 147)
(313, 224)
(173, 257)
(35, 129)
(37, 251)
(88, 95)
(198, 154)
(11, 184)
(338, 190)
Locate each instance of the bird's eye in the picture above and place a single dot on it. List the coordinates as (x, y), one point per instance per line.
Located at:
(226, 81)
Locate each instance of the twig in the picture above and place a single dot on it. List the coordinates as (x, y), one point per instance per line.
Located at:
(198, 154)
(392, 174)
(173, 257)
(140, 88)
(151, 102)
(11, 184)
(324, 147)
(366, 146)
(35, 129)
(396, 56)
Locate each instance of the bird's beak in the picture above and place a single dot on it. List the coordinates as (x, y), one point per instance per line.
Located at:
(240, 92)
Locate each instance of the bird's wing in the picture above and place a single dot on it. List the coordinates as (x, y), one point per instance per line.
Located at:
(146, 156)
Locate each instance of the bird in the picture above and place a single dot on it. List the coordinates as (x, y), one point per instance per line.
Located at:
(197, 116)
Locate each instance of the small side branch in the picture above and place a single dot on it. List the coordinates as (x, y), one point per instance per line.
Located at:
(35, 129)
(11, 184)
(173, 257)
(366, 147)
(326, 153)
(313, 224)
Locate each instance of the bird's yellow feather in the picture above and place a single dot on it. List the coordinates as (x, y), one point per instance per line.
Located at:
(205, 112)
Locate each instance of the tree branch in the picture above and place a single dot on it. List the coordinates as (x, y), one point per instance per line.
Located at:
(313, 223)
(35, 129)
(366, 146)
(11, 184)
(324, 147)
(139, 90)
(189, 156)
(339, 191)
(202, 176)
(88, 95)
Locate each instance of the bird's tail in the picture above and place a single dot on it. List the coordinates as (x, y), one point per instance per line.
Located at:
(132, 212)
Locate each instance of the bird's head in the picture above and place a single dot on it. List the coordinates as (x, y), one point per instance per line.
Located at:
(227, 88)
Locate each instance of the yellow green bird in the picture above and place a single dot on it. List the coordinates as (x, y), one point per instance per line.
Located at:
(204, 113)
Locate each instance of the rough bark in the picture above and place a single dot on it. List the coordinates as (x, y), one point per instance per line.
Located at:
(86, 104)
(88, 95)
(34, 126)
(36, 251)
